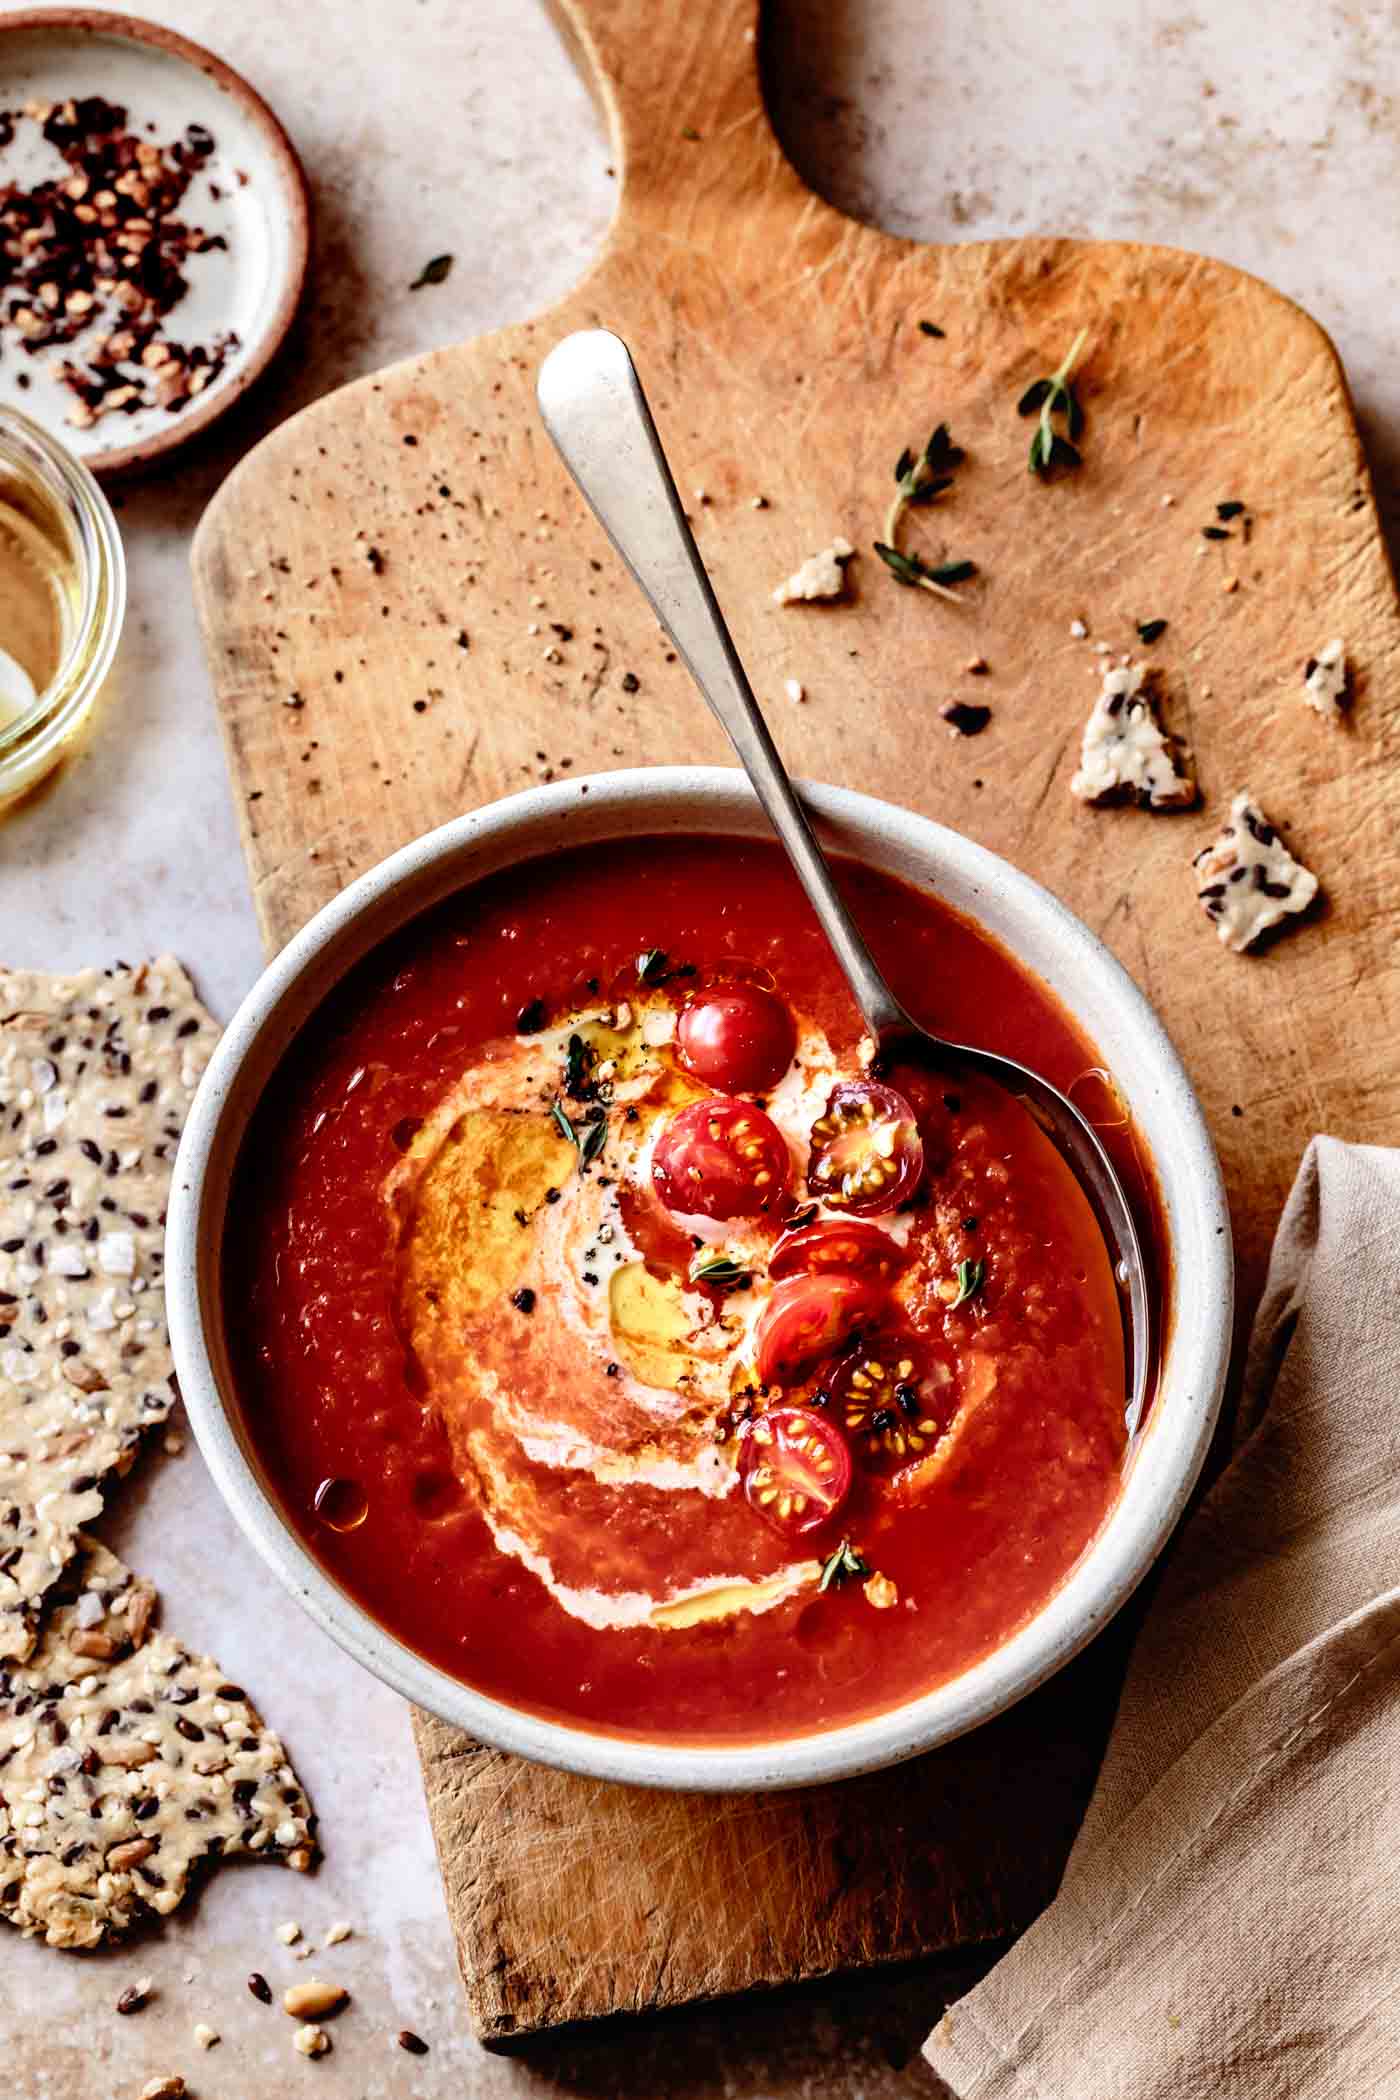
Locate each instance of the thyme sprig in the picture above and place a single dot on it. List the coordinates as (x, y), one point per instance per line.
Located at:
(917, 482)
(847, 1561)
(971, 1276)
(1053, 397)
(587, 1139)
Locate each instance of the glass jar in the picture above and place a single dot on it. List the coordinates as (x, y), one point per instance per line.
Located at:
(62, 599)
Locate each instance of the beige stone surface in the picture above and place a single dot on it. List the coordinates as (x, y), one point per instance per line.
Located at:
(431, 127)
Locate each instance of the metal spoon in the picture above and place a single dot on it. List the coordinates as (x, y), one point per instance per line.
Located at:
(594, 409)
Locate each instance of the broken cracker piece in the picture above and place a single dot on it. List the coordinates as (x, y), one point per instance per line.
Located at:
(1248, 881)
(124, 1762)
(1325, 681)
(97, 1070)
(821, 576)
(1126, 755)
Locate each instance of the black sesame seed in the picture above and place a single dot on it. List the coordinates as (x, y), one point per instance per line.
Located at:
(523, 1300)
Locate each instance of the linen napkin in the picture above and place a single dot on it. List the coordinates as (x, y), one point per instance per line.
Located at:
(1229, 1923)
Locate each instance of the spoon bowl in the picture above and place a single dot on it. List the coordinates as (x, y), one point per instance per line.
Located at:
(594, 408)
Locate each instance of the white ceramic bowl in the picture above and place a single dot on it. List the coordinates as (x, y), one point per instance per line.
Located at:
(1047, 938)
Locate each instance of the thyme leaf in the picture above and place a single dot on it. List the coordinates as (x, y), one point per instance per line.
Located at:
(908, 568)
(650, 963)
(595, 1136)
(719, 1271)
(587, 1140)
(1050, 397)
(839, 1567)
(971, 1276)
(1151, 630)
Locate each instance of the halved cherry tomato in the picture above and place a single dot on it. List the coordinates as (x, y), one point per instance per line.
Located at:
(795, 1467)
(721, 1159)
(738, 1037)
(807, 1316)
(846, 1244)
(866, 1154)
(891, 1397)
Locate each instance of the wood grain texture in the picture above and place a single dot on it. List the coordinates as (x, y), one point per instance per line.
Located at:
(407, 564)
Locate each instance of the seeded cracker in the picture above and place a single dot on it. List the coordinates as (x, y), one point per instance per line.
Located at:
(124, 1761)
(1248, 880)
(96, 1073)
(1126, 755)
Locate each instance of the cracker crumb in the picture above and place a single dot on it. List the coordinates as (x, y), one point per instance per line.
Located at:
(820, 576)
(341, 1930)
(1247, 881)
(1325, 681)
(311, 2041)
(880, 1592)
(1126, 755)
(205, 2035)
(795, 690)
(289, 1933)
(1078, 630)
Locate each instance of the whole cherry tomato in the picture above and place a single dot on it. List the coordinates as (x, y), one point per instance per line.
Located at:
(738, 1038)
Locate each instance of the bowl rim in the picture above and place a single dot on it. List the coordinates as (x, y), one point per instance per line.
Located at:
(715, 800)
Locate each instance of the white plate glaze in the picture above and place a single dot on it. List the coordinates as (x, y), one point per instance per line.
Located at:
(1048, 939)
(251, 191)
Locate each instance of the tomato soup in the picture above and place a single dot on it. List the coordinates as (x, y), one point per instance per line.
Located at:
(633, 1349)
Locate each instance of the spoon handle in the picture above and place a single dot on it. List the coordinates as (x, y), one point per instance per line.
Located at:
(594, 409)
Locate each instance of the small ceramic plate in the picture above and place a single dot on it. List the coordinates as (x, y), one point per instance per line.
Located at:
(249, 194)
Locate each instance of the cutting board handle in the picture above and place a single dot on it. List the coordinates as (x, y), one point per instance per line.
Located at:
(677, 85)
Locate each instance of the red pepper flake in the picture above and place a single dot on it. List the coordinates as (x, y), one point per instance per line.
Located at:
(99, 253)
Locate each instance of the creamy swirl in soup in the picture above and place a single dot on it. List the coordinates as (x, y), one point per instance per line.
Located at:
(636, 1351)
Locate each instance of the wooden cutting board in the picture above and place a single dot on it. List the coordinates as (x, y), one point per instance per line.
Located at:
(408, 613)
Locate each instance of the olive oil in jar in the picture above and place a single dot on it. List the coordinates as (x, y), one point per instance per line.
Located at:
(40, 594)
